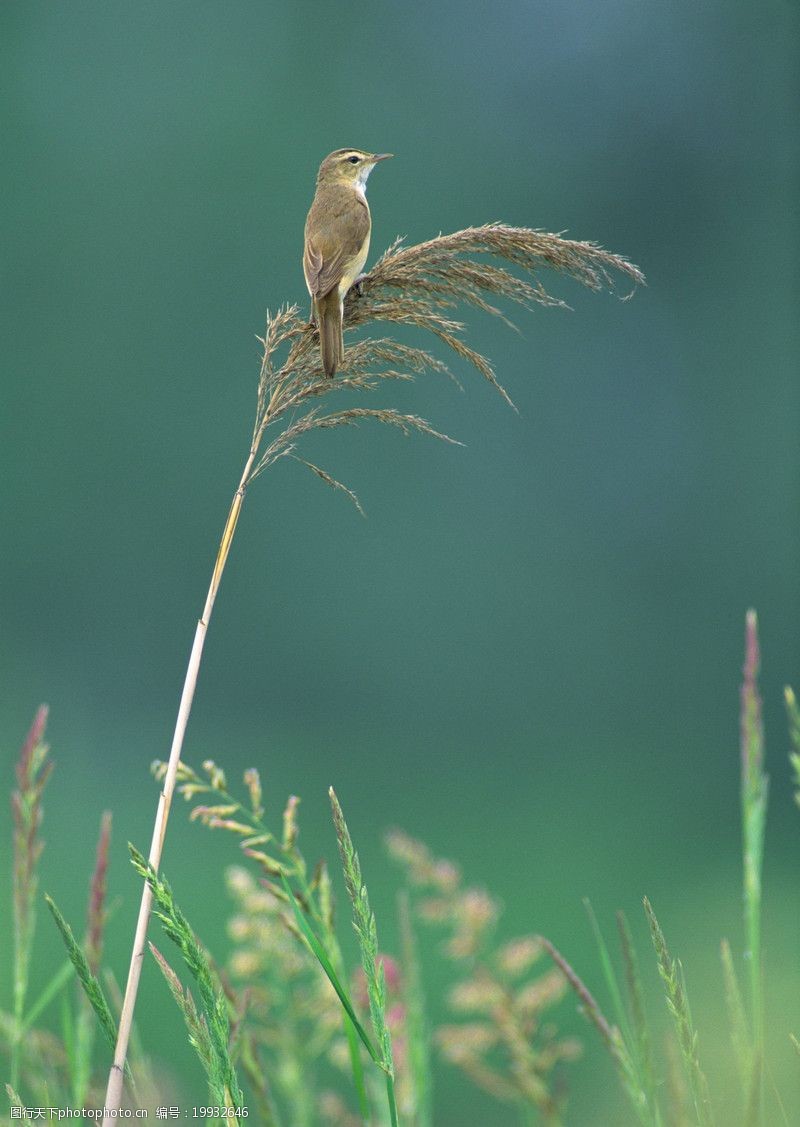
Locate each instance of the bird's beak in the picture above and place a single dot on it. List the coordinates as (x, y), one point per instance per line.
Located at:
(381, 156)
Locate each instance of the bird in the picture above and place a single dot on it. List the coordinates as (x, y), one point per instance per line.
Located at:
(337, 243)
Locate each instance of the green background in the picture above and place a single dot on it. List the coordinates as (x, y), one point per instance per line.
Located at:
(529, 652)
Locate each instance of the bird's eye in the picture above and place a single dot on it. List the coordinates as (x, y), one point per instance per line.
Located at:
(353, 160)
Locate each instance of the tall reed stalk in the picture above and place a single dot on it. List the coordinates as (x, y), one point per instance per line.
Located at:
(418, 286)
(117, 1073)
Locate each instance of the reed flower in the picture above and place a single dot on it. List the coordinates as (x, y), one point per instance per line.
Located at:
(420, 286)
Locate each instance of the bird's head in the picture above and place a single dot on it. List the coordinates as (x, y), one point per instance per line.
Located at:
(349, 166)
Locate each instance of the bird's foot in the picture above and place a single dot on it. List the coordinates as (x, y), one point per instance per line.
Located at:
(357, 286)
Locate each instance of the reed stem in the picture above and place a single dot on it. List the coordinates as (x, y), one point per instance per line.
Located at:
(116, 1074)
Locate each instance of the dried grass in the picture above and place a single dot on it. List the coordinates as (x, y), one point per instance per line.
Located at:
(419, 286)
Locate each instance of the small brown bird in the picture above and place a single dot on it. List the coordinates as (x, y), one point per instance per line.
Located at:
(337, 243)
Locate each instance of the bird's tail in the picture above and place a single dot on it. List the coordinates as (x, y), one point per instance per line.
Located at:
(329, 326)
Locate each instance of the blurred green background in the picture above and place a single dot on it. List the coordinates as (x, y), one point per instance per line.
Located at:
(529, 653)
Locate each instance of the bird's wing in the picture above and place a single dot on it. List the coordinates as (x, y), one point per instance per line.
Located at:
(339, 233)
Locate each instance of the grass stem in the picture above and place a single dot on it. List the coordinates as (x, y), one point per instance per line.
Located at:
(755, 788)
(116, 1075)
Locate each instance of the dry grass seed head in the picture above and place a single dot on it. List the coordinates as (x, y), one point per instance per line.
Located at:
(418, 286)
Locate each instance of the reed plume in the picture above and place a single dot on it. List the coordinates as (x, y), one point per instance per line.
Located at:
(420, 286)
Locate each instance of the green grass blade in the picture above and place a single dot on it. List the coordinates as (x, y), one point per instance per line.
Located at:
(753, 1108)
(754, 792)
(263, 1109)
(322, 913)
(91, 987)
(322, 958)
(196, 1025)
(678, 1006)
(417, 1028)
(51, 989)
(222, 1077)
(793, 716)
(612, 1038)
(390, 1098)
(737, 1020)
(77, 1030)
(781, 1108)
(642, 1046)
(366, 931)
(633, 1034)
(84, 1044)
(68, 1035)
(356, 1065)
(609, 974)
